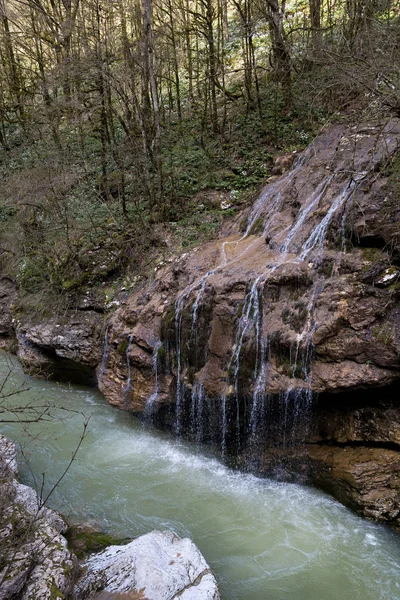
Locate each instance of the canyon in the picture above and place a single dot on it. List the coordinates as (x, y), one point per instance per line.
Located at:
(278, 343)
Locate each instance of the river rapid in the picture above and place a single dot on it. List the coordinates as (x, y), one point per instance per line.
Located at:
(264, 540)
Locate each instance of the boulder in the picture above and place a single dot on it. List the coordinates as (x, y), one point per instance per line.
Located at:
(35, 562)
(155, 566)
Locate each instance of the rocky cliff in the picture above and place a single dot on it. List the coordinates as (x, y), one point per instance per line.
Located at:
(280, 339)
(234, 342)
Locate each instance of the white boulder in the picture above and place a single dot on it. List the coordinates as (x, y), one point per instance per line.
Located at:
(158, 566)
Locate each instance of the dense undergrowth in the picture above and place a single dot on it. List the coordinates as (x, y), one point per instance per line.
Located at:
(59, 232)
(75, 212)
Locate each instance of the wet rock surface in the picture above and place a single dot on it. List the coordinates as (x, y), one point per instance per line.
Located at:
(313, 283)
(366, 479)
(231, 341)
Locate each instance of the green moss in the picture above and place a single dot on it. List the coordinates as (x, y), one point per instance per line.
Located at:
(83, 541)
(161, 354)
(372, 254)
(70, 284)
(123, 347)
(295, 319)
(394, 289)
(326, 268)
(287, 368)
(257, 226)
(55, 592)
(168, 324)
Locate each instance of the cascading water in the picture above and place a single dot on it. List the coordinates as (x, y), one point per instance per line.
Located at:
(253, 314)
(149, 408)
(296, 222)
(224, 420)
(128, 386)
(258, 405)
(180, 389)
(197, 416)
(252, 317)
(315, 200)
(106, 352)
(317, 238)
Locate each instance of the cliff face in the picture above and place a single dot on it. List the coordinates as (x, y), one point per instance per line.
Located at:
(308, 293)
(235, 341)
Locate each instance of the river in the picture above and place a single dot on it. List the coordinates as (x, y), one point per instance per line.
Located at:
(264, 540)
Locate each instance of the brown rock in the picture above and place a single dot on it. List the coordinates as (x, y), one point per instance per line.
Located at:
(366, 479)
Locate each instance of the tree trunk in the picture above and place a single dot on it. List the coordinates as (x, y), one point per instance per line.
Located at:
(280, 52)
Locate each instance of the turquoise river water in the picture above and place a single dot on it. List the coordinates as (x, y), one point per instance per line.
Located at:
(264, 540)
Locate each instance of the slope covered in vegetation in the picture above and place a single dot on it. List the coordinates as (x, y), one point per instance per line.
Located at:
(130, 129)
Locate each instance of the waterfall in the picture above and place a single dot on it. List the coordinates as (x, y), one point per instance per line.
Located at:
(318, 234)
(315, 199)
(199, 296)
(180, 388)
(295, 220)
(258, 404)
(197, 413)
(224, 419)
(149, 408)
(296, 401)
(128, 386)
(106, 352)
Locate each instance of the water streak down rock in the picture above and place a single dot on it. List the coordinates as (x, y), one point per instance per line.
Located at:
(254, 326)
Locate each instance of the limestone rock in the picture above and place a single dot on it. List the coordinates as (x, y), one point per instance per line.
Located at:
(157, 566)
(36, 563)
(62, 349)
(342, 301)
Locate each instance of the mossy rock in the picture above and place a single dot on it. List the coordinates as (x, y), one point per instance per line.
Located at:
(296, 318)
(394, 289)
(372, 255)
(257, 226)
(168, 325)
(83, 540)
(56, 593)
(123, 347)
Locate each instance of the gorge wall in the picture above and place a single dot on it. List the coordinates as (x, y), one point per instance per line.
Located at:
(278, 343)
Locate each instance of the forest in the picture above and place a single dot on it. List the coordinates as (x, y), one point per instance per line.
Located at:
(129, 125)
